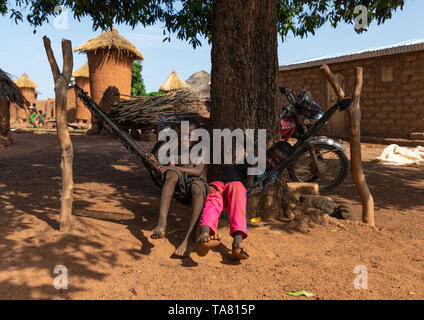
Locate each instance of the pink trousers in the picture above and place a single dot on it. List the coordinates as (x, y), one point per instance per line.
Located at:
(229, 196)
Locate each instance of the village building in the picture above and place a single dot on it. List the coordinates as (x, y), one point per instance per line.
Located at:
(392, 101)
(110, 58)
(27, 87)
(71, 105)
(82, 79)
(9, 94)
(199, 83)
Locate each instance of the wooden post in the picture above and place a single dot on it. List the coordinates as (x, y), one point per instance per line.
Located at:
(354, 113)
(61, 83)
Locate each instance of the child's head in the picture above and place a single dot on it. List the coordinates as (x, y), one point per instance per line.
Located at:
(277, 153)
(40, 111)
(193, 125)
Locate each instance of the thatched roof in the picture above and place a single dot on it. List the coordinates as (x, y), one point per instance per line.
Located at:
(199, 82)
(82, 71)
(111, 39)
(9, 90)
(174, 82)
(25, 82)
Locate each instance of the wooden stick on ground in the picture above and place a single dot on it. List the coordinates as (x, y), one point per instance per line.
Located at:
(354, 113)
(61, 82)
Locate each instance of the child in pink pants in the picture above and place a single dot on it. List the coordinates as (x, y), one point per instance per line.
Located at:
(229, 193)
(227, 196)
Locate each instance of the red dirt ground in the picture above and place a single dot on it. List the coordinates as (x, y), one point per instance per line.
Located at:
(110, 254)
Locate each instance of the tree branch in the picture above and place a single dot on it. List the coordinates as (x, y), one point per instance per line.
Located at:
(68, 63)
(51, 58)
(331, 78)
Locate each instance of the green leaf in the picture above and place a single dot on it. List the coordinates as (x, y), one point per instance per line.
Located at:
(300, 293)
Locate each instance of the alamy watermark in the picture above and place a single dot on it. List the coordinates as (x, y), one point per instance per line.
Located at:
(201, 151)
(60, 282)
(361, 280)
(61, 17)
(361, 20)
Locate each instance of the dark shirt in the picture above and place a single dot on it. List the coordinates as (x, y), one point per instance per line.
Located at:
(236, 172)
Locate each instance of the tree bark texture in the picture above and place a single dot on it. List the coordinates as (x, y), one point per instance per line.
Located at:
(244, 81)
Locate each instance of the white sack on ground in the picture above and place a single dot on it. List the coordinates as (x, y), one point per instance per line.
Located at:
(400, 156)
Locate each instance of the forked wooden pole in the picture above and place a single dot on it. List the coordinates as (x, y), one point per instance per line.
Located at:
(354, 113)
(61, 83)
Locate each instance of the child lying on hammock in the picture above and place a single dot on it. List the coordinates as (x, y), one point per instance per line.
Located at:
(229, 193)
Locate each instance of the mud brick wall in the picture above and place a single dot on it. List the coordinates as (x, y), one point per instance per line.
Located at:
(392, 102)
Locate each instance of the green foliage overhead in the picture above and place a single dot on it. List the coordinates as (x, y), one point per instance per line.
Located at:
(137, 82)
(191, 19)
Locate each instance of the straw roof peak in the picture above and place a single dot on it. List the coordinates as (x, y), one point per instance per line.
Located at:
(82, 71)
(9, 90)
(111, 39)
(25, 82)
(174, 82)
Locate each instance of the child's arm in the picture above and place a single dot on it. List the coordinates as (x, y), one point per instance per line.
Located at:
(197, 170)
(249, 181)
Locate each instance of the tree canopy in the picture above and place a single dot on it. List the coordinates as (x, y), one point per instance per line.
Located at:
(191, 19)
(137, 82)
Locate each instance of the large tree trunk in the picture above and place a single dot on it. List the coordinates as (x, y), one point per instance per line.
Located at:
(354, 113)
(244, 79)
(61, 81)
(5, 139)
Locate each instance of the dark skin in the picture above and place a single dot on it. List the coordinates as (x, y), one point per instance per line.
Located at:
(206, 241)
(168, 189)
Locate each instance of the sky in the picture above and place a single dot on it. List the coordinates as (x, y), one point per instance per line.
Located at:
(22, 51)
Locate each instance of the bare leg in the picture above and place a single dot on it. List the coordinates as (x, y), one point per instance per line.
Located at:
(165, 201)
(197, 203)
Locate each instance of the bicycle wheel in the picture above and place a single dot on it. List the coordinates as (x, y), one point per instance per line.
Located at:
(333, 167)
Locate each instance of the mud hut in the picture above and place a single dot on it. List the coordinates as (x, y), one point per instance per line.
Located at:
(199, 83)
(110, 58)
(9, 94)
(27, 87)
(82, 79)
(71, 105)
(174, 82)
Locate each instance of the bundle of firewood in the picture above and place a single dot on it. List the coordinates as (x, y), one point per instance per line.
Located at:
(142, 112)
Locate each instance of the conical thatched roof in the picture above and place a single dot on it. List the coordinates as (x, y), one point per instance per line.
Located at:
(25, 82)
(199, 82)
(9, 90)
(111, 39)
(174, 82)
(82, 71)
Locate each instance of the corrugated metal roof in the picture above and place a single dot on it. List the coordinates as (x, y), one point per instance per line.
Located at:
(401, 47)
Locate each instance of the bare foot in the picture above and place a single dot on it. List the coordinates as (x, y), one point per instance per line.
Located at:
(206, 241)
(158, 233)
(185, 248)
(239, 252)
